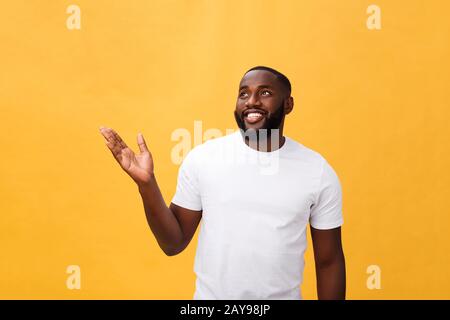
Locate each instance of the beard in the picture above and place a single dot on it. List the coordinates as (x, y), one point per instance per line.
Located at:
(272, 121)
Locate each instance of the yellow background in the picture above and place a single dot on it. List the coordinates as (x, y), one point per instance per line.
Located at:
(374, 103)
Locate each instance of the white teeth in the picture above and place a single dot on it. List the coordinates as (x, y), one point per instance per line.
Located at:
(254, 115)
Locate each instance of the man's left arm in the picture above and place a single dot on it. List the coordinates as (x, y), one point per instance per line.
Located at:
(330, 263)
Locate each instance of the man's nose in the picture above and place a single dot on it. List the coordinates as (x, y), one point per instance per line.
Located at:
(253, 100)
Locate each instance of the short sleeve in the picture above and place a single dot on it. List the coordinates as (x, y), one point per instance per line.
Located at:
(326, 212)
(187, 194)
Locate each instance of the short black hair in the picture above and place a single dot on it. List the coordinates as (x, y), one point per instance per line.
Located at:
(281, 77)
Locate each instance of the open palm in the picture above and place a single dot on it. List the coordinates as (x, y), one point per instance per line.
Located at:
(139, 167)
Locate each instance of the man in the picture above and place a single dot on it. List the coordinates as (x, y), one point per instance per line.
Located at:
(255, 204)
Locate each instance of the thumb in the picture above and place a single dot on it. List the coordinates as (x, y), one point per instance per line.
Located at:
(141, 142)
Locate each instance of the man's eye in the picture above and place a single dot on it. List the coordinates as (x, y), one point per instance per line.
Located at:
(242, 94)
(266, 92)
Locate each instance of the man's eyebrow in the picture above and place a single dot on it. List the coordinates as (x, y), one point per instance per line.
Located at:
(261, 86)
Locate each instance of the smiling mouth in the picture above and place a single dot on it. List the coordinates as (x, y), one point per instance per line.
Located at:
(253, 116)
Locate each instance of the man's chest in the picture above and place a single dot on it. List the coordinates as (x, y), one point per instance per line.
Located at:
(244, 188)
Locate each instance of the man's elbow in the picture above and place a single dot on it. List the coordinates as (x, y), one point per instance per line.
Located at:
(327, 262)
(173, 251)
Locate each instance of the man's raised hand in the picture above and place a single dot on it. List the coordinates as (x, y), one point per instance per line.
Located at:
(138, 167)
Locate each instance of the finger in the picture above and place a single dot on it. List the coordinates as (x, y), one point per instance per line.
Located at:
(119, 139)
(114, 138)
(141, 143)
(111, 141)
(114, 147)
(103, 132)
(107, 134)
(110, 146)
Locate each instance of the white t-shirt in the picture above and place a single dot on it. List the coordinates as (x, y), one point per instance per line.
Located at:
(256, 206)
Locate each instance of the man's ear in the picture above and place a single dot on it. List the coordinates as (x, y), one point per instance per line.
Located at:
(288, 105)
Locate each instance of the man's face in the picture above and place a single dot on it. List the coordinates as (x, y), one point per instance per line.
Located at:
(260, 102)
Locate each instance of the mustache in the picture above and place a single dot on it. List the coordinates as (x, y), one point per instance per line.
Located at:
(279, 112)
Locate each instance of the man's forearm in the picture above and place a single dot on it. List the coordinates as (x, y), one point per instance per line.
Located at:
(331, 280)
(160, 218)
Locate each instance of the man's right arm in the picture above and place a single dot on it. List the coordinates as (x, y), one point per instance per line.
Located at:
(173, 226)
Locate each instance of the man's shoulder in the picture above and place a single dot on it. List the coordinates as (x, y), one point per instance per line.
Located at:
(306, 153)
(318, 161)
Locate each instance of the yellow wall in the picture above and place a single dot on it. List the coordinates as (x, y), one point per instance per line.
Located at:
(375, 103)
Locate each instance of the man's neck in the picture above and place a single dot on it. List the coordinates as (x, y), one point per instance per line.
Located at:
(266, 143)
